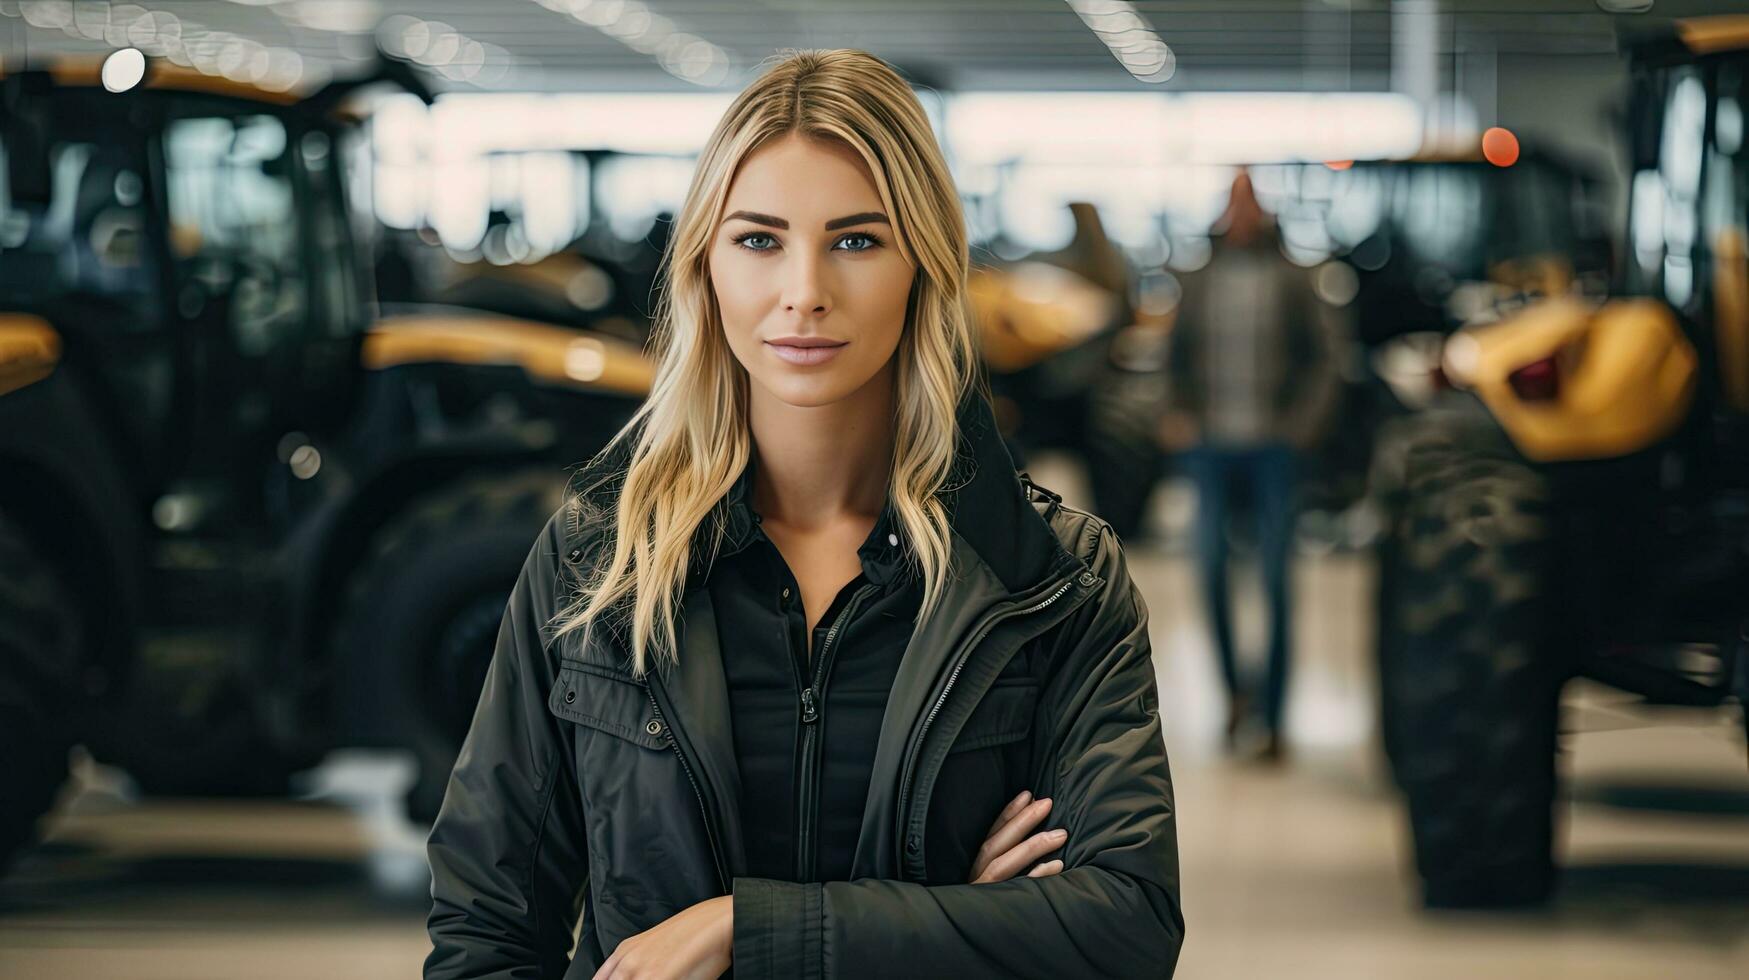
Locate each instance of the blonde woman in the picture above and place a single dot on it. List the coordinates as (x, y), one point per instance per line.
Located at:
(805, 680)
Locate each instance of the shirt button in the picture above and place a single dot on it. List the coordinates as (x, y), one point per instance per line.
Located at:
(654, 727)
(893, 539)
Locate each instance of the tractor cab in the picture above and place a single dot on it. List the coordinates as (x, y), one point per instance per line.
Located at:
(1689, 193)
(257, 521)
(1440, 239)
(188, 242)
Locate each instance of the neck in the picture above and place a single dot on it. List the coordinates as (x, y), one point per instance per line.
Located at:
(821, 463)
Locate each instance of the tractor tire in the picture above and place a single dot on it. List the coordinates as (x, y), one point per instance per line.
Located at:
(420, 617)
(1470, 672)
(207, 738)
(1122, 450)
(41, 648)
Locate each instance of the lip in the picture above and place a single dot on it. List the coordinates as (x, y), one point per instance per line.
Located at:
(806, 350)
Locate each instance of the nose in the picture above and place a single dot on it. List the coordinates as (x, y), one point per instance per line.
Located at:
(805, 289)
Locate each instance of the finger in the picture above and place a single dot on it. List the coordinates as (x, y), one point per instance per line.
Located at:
(1009, 834)
(1025, 854)
(1017, 827)
(1014, 806)
(1046, 869)
(986, 852)
(613, 962)
(607, 968)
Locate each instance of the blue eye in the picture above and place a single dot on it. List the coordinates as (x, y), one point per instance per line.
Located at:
(873, 241)
(743, 239)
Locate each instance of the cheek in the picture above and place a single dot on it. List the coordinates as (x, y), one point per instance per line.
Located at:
(740, 290)
(879, 297)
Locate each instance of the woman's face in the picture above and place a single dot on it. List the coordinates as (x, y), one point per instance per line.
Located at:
(805, 250)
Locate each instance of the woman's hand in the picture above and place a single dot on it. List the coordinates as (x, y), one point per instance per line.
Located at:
(1007, 849)
(692, 945)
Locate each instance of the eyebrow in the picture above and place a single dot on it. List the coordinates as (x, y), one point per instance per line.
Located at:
(864, 218)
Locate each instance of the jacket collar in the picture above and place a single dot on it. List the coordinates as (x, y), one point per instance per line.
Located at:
(883, 553)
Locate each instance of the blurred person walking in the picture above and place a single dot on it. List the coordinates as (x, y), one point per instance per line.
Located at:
(1253, 379)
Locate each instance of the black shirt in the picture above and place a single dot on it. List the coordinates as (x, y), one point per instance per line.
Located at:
(805, 732)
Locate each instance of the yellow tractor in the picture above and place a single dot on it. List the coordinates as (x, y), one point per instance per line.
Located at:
(244, 518)
(1576, 503)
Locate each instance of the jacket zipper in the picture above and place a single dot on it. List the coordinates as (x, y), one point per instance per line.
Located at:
(960, 659)
(813, 707)
(704, 811)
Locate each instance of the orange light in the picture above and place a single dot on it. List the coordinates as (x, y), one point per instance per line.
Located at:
(1338, 164)
(1500, 147)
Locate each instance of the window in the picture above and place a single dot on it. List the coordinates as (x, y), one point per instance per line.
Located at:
(234, 225)
(85, 250)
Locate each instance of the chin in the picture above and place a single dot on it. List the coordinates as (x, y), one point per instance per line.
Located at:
(809, 391)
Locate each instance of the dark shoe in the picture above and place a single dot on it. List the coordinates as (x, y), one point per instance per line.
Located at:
(1273, 751)
(1238, 710)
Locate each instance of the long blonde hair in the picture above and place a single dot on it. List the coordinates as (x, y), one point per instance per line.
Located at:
(691, 435)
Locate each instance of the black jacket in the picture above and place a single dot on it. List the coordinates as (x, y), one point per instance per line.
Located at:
(579, 787)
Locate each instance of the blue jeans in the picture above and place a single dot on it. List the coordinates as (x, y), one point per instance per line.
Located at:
(1268, 469)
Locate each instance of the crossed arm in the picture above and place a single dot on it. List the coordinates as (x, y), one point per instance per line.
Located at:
(1111, 910)
(506, 887)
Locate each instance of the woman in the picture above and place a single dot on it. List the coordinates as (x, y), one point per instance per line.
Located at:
(795, 723)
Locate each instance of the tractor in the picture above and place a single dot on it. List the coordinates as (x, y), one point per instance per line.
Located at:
(246, 517)
(1574, 499)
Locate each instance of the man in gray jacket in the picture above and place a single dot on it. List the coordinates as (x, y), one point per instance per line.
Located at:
(1253, 379)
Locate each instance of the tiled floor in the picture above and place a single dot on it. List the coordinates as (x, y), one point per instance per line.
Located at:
(1294, 872)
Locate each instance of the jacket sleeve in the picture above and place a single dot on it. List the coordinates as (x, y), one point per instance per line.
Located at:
(1317, 365)
(508, 862)
(1184, 351)
(1112, 912)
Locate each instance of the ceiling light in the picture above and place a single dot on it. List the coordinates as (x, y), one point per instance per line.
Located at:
(123, 69)
(633, 24)
(1129, 37)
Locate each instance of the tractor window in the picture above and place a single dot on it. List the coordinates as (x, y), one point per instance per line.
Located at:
(1725, 194)
(1440, 210)
(234, 225)
(85, 247)
(1665, 202)
(1723, 272)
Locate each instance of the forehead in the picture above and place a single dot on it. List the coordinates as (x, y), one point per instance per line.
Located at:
(798, 175)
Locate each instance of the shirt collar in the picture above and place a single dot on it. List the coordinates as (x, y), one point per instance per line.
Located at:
(882, 553)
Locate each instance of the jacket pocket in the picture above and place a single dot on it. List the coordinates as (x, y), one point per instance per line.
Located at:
(649, 856)
(1003, 715)
(608, 701)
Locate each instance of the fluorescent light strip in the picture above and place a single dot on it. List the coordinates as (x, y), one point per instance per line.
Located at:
(687, 57)
(442, 48)
(1129, 37)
